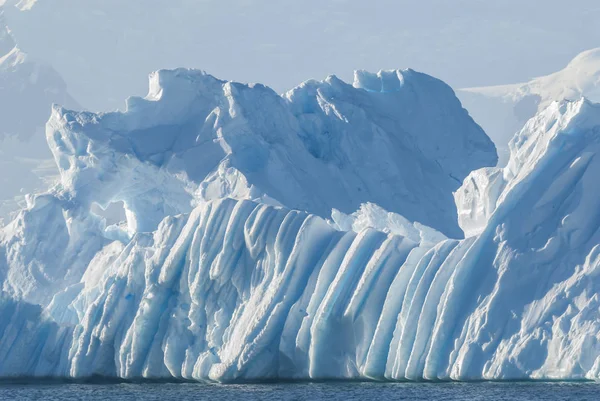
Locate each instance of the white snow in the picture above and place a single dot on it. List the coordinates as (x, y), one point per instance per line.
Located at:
(216, 277)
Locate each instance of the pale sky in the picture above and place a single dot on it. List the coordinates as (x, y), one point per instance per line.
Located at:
(105, 48)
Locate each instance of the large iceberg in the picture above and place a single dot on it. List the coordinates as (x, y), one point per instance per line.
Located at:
(219, 273)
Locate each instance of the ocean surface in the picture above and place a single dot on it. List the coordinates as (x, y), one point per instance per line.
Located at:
(328, 391)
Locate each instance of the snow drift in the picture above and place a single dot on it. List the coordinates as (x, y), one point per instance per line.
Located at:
(230, 283)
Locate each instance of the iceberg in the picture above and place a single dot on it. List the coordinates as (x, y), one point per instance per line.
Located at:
(227, 267)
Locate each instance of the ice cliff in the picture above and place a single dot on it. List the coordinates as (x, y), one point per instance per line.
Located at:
(231, 265)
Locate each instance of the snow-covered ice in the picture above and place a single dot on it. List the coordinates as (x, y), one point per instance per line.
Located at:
(248, 253)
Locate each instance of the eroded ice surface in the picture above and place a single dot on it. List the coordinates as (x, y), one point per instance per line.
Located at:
(398, 138)
(248, 288)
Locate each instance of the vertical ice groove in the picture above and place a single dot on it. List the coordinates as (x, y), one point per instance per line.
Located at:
(264, 299)
(421, 352)
(376, 358)
(326, 276)
(368, 300)
(434, 362)
(232, 245)
(396, 354)
(420, 284)
(329, 317)
(293, 347)
(309, 242)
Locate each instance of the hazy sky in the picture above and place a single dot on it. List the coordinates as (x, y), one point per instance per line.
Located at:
(105, 48)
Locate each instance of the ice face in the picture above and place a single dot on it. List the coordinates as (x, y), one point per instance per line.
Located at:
(322, 145)
(238, 287)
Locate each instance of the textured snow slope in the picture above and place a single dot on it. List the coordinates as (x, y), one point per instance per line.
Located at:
(397, 138)
(242, 290)
(503, 110)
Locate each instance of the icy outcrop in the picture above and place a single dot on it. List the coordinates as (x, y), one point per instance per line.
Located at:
(399, 139)
(246, 288)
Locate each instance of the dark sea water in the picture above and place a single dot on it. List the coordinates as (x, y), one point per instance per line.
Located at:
(303, 391)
